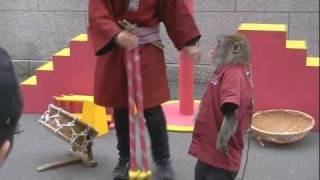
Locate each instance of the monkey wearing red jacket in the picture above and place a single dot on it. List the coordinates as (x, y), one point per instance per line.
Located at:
(225, 112)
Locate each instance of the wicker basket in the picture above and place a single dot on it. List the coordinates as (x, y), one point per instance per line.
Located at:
(281, 125)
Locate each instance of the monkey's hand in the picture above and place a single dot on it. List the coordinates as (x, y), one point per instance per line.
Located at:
(228, 128)
(194, 52)
(222, 143)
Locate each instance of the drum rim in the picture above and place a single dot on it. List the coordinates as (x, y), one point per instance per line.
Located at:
(70, 115)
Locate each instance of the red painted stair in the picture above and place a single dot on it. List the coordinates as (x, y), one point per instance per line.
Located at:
(283, 75)
(70, 71)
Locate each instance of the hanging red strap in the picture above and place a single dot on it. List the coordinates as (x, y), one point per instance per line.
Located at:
(135, 98)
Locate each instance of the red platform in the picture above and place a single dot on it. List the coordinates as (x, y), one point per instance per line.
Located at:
(175, 120)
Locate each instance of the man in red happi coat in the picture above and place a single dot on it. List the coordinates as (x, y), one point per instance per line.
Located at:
(110, 42)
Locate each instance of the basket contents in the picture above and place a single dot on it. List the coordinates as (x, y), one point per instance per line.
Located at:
(282, 122)
(281, 125)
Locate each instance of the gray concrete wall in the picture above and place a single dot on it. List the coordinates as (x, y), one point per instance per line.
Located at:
(32, 30)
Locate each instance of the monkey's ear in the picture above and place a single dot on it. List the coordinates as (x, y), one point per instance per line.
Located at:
(236, 48)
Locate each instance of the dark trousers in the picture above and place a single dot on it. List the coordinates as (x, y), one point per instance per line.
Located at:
(204, 171)
(156, 124)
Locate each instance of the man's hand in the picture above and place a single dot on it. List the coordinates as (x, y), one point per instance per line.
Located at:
(127, 40)
(194, 52)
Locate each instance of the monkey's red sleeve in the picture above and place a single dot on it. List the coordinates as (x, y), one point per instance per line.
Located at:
(102, 27)
(230, 89)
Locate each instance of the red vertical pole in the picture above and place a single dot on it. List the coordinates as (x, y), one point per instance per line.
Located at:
(186, 87)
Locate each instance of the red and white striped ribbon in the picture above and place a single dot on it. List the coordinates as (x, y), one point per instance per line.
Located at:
(135, 98)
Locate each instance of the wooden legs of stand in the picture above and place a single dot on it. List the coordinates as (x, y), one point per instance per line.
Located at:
(85, 157)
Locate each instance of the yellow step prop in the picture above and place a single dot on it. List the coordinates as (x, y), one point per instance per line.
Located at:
(92, 114)
(263, 27)
(46, 67)
(81, 38)
(32, 81)
(313, 62)
(96, 117)
(64, 52)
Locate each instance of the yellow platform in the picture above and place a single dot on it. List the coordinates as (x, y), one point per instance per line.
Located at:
(92, 114)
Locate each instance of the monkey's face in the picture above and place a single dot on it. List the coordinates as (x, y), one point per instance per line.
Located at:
(230, 49)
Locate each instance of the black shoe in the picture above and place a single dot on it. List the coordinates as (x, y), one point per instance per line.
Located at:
(164, 171)
(121, 172)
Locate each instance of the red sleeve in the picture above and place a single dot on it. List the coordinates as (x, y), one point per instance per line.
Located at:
(102, 28)
(179, 22)
(230, 90)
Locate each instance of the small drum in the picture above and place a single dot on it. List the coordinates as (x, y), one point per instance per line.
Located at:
(69, 128)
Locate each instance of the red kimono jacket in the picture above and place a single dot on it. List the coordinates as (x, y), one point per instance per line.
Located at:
(229, 84)
(110, 76)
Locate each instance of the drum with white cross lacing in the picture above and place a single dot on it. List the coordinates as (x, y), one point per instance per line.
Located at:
(68, 127)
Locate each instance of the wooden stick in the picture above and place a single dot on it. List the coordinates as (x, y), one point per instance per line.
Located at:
(58, 164)
(131, 27)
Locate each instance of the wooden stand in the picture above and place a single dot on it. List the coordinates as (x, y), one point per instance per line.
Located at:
(78, 156)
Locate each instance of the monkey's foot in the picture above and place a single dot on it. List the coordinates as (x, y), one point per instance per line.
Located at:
(260, 141)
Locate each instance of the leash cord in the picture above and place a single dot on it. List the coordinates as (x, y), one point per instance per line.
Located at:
(249, 134)
(247, 154)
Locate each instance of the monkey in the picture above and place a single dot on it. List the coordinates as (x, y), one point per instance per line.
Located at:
(225, 110)
(11, 104)
(235, 50)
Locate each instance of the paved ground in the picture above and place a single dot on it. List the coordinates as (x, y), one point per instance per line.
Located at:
(298, 161)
